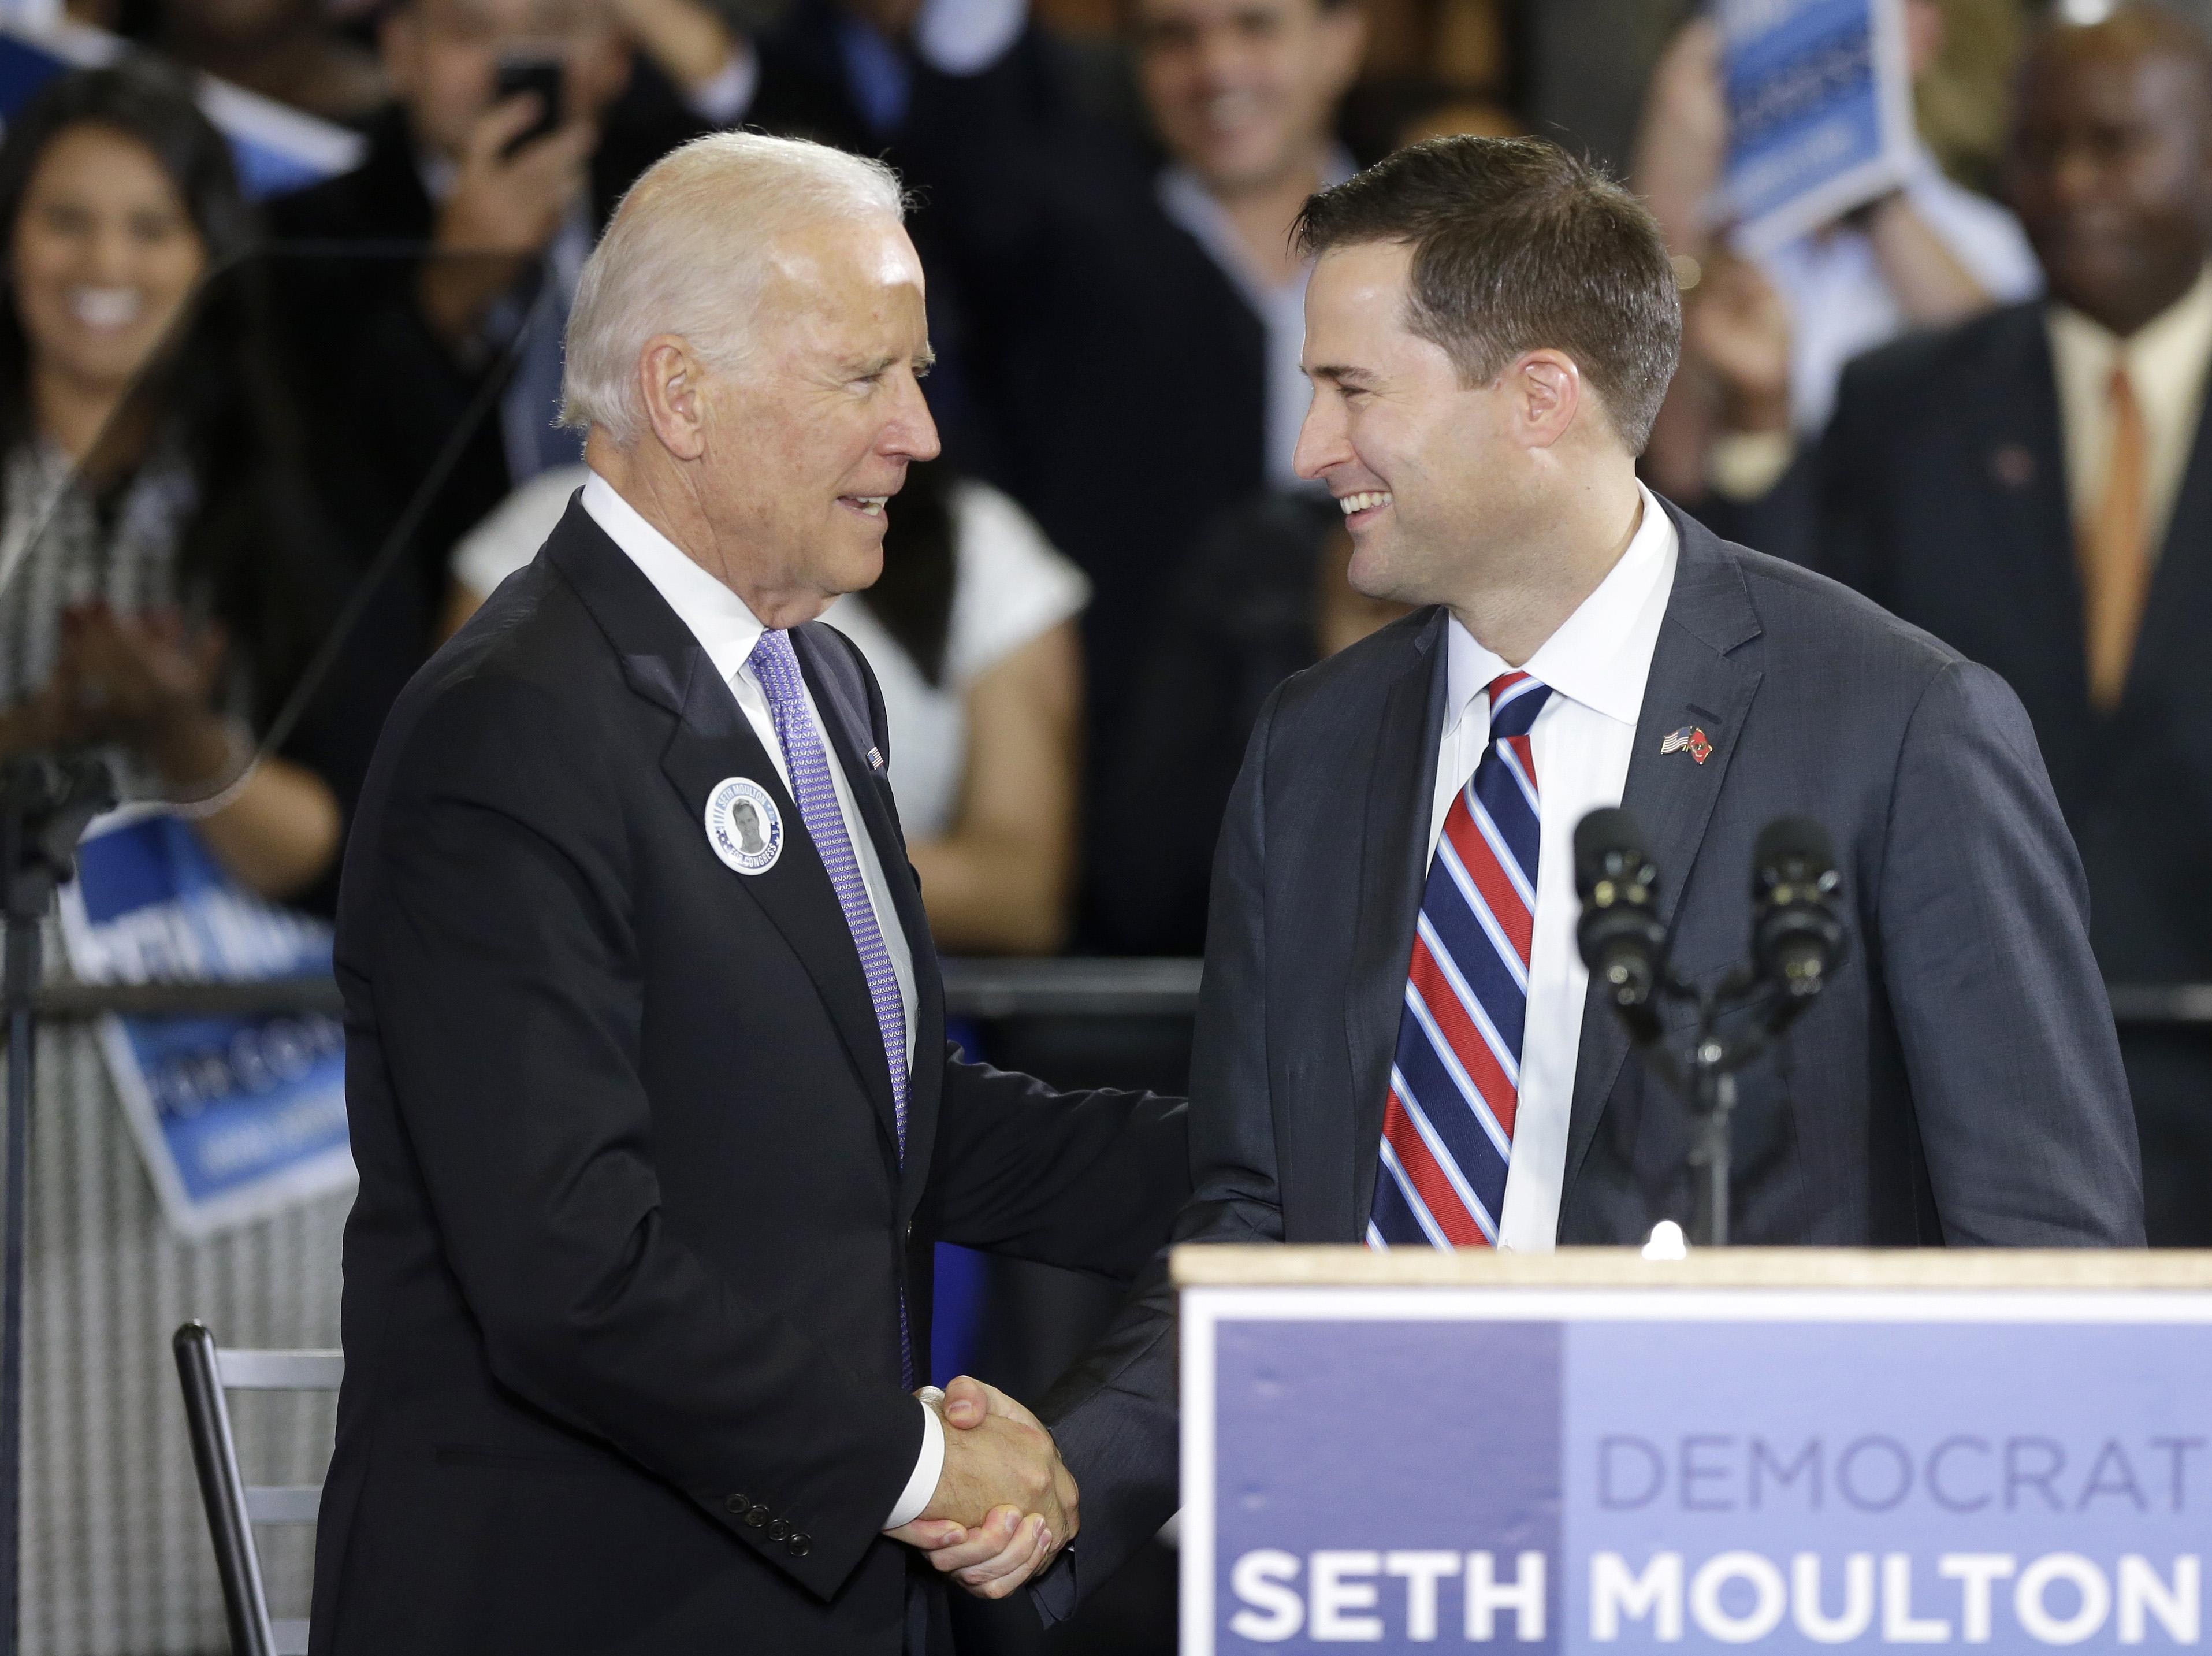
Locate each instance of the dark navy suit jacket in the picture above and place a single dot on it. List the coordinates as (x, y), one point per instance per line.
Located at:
(623, 1279)
(1957, 1083)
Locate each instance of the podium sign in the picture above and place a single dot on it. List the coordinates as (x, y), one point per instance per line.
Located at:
(1782, 1451)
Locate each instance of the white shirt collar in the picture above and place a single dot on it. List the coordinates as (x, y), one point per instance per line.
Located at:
(726, 629)
(1601, 656)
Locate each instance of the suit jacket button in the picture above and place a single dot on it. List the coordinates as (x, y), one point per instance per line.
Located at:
(756, 1517)
(737, 1506)
(779, 1531)
(800, 1545)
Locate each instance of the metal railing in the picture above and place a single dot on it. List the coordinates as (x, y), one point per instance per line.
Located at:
(973, 988)
(1074, 987)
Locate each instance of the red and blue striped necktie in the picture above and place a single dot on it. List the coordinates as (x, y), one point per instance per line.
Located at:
(1455, 1077)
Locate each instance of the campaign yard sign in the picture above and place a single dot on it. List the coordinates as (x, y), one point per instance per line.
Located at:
(1570, 1469)
(1819, 109)
(235, 1116)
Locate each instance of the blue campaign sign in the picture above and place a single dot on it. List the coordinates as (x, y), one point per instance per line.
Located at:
(1584, 1470)
(235, 1116)
(1820, 111)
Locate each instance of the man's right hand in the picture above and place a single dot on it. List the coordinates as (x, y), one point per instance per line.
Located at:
(1004, 1459)
(503, 211)
(1005, 1503)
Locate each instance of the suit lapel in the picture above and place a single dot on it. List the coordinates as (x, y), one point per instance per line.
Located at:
(871, 792)
(713, 740)
(2181, 587)
(1393, 855)
(1694, 680)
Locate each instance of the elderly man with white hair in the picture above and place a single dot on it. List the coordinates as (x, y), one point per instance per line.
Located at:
(655, 1119)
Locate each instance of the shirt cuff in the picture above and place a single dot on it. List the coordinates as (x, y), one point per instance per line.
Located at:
(966, 37)
(928, 1466)
(1743, 465)
(723, 101)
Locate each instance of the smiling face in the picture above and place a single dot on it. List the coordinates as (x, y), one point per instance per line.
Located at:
(1242, 91)
(104, 255)
(2111, 169)
(1424, 467)
(808, 437)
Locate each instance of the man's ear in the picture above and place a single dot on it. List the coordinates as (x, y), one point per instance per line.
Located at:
(1546, 392)
(671, 380)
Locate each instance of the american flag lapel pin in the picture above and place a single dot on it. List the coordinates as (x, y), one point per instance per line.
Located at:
(875, 760)
(1690, 739)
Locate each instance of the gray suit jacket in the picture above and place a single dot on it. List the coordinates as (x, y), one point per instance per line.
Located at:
(1958, 1084)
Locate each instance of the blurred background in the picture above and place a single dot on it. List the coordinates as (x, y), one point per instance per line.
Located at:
(280, 317)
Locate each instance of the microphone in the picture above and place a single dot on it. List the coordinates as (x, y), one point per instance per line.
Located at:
(1797, 939)
(1619, 934)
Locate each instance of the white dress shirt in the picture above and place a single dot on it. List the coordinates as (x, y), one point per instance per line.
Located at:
(727, 630)
(1597, 663)
(2166, 359)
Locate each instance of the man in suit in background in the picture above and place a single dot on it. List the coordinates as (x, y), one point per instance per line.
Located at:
(656, 1122)
(1396, 1040)
(2035, 488)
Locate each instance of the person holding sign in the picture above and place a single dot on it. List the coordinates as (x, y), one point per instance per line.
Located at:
(1397, 1043)
(656, 1122)
(1771, 320)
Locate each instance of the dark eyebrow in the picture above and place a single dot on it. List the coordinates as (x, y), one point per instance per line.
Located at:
(1339, 375)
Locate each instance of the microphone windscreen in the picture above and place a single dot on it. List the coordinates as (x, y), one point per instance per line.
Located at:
(1601, 834)
(1788, 840)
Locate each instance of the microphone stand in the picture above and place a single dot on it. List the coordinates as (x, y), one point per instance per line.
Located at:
(45, 803)
(1707, 1076)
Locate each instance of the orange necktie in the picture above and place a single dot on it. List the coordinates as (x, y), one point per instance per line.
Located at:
(2115, 551)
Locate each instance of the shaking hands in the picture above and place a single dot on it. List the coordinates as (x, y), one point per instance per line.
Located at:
(1004, 1505)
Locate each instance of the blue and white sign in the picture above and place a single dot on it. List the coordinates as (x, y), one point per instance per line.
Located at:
(236, 1117)
(1583, 1469)
(1819, 113)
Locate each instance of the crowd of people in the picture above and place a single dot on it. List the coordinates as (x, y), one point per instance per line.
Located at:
(1087, 596)
(260, 458)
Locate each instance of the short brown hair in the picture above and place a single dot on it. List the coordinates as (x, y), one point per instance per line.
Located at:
(1518, 245)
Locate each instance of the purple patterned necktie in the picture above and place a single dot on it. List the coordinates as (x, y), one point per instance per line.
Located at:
(777, 666)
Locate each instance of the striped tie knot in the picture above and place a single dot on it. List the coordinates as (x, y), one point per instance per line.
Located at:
(1515, 699)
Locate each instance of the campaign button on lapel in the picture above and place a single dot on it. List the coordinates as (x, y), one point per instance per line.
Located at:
(744, 826)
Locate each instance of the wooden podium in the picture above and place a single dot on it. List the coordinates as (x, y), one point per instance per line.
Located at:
(1787, 1450)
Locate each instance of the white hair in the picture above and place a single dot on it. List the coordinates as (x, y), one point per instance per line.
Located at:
(688, 253)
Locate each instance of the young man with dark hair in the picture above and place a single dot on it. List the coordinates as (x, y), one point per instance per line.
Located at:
(1396, 1041)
